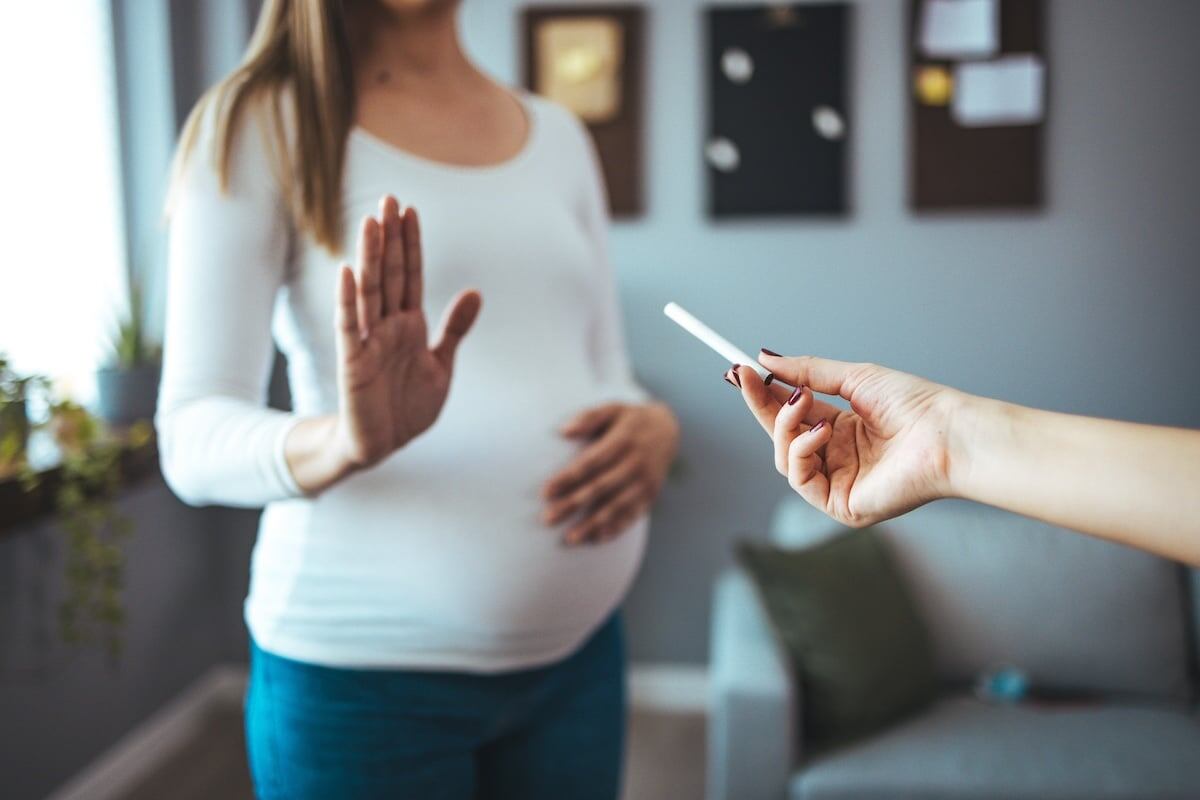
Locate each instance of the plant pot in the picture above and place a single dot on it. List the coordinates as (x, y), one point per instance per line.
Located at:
(125, 395)
(14, 434)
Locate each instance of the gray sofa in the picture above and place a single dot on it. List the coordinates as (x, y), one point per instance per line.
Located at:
(995, 589)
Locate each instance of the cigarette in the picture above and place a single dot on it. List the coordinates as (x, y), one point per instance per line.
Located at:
(715, 340)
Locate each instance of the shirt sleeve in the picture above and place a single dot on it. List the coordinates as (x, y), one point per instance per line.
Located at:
(608, 338)
(227, 257)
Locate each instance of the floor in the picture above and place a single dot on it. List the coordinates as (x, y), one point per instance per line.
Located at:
(666, 760)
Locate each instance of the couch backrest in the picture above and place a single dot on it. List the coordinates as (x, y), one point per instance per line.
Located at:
(1194, 580)
(998, 589)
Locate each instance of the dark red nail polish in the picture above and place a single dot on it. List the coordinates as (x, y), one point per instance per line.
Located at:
(769, 352)
(818, 426)
(736, 377)
(731, 383)
(767, 381)
(795, 395)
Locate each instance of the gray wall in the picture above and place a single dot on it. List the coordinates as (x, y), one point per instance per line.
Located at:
(1090, 306)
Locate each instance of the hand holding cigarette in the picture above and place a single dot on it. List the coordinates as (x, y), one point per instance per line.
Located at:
(883, 457)
(906, 441)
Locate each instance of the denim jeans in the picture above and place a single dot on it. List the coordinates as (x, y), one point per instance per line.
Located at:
(350, 734)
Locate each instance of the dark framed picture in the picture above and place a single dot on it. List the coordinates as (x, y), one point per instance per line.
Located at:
(778, 123)
(589, 59)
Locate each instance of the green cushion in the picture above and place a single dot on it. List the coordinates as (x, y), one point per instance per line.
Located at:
(859, 648)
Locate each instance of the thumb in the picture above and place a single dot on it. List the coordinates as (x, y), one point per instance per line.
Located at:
(591, 421)
(457, 320)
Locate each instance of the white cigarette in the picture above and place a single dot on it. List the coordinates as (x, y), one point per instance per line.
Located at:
(716, 341)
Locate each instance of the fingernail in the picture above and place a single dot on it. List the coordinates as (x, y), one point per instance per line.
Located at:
(769, 352)
(731, 383)
(769, 379)
(736, 377)
(795, 395)
(818, 426)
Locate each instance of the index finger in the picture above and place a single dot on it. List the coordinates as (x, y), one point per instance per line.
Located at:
(822, 374)
(370, 274)
(759, 398)
(595, 457)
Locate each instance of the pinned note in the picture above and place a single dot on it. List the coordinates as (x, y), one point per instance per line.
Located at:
(1007, 91)
(960, 28)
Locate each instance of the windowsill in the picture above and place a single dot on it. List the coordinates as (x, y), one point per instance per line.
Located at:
(19, 507)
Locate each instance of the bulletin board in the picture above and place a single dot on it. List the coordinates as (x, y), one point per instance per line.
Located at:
(978, 165)
(590, 59)
(778, 122)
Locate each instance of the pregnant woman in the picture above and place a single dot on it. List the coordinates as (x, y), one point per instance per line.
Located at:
(452, 516)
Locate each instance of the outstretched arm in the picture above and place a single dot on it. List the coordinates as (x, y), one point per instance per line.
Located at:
(906, 441)
(1137, 484)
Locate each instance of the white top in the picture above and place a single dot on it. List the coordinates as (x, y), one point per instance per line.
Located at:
(436, 558)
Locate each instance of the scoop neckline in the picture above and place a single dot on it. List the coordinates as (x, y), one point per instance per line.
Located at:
(532, 131)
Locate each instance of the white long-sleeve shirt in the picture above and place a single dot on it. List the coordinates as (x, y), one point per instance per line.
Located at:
(435, 558)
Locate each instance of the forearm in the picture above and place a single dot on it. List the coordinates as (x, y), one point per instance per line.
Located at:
(1136, 484)
(223, 450)
(314, 457)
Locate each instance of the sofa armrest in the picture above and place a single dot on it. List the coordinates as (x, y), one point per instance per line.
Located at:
(752, 734)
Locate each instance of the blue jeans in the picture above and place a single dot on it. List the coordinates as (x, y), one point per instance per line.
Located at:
(551, 732)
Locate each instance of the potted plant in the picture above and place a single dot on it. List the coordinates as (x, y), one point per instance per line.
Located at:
(83, 484)
(92, 611)
(127, 386)
(14, 418)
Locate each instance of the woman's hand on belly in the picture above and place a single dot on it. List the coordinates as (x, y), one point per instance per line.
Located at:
(620, 472)
(391, 382)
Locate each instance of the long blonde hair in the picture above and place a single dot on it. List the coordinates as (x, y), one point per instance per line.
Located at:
(299, 56)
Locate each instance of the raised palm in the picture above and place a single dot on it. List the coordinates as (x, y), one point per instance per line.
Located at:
(392, 383)
(884, 456)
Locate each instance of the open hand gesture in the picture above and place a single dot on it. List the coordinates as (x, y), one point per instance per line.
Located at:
(391, 382)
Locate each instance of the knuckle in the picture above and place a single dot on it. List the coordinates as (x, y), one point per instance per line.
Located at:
(852, 518)
(864, 370)
(796, 449)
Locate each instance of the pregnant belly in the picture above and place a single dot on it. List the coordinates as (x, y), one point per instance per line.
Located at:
(443, 542)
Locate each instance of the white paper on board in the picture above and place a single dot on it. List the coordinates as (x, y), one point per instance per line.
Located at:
(1007, 91)
(959, 28)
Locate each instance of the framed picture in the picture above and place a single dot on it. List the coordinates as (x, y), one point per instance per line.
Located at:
(778, 123)
(589, 59)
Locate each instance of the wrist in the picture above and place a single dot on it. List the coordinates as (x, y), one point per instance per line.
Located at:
(338, 446)
(979, 428)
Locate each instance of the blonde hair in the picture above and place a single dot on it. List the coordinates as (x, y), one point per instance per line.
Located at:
(297, 68)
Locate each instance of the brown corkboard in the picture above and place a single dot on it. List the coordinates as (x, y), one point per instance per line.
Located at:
(956, 167)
